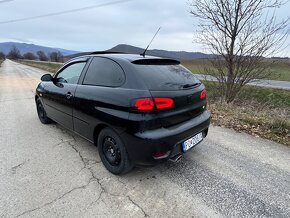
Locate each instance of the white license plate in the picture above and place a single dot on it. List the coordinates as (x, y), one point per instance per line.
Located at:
(189, 143)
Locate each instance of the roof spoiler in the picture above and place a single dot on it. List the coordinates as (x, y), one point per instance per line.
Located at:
(156, 61)
(106, 52)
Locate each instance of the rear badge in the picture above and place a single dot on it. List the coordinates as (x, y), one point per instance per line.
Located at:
(190, 99)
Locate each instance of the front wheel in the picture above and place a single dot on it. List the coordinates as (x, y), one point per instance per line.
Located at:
(113, 152)
(41, 113)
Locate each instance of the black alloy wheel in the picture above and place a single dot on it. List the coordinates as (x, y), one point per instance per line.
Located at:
(113, 152)
(41, 113)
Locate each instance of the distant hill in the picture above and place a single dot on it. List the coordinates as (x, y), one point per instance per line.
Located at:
(123, 48)
(24, 47)
(179, 55)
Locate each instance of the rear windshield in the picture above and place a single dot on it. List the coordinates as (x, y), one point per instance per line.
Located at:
(167, 77)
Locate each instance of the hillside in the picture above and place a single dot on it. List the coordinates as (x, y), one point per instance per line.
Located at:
(24, 47)
(129, 49)
(123, 48)
(180, 55)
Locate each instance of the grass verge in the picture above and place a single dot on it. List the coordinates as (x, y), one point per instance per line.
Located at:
(261, 112)
(47, 66)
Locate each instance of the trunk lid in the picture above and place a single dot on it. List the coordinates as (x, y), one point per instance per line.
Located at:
(169, 79)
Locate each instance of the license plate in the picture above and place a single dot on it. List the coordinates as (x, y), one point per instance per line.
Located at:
(189, 143)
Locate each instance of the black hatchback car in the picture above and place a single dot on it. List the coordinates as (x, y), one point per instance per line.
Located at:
(137, 110)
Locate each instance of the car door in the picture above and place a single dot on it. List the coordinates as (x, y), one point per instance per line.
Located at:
(98, 95)
(59, 95)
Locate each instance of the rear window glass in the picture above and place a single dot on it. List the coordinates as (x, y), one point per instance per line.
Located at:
(166, 77)
(104, 72)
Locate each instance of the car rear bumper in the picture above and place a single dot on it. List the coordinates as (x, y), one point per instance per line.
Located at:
(142, 146)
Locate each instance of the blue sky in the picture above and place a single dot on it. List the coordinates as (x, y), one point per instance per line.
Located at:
(133, 22)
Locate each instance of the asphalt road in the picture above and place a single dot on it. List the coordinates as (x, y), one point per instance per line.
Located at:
(262, 82)
(45, 171)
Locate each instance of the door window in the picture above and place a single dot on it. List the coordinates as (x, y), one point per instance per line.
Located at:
(104, 72)
(71, 73)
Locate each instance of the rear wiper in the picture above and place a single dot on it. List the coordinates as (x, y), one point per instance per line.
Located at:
(186, 86)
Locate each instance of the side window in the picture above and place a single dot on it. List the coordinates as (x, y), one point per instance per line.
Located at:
(104, 72)
(71, 73)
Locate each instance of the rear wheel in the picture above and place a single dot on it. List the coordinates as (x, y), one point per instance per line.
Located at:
(113, 152)
(41, 113)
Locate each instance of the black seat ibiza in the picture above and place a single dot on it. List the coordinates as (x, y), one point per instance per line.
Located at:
(137, 110)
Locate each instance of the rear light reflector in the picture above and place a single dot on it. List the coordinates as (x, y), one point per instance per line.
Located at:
(161, 155)
(162, 103)
(144, 104)
(148, 104)
(202, 94)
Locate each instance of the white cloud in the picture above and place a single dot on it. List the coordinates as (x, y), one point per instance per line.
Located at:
(133, 23)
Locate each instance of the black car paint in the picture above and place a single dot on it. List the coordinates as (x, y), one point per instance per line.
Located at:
(90, 108)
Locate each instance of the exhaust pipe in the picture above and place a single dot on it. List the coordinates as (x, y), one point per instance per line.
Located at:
(176, 158)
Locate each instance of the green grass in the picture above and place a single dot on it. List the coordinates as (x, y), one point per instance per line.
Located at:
(47, 66)
(261, 95)
(280, 69)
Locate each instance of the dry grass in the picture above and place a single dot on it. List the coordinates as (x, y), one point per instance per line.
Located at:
(47, 66)
(261, 112)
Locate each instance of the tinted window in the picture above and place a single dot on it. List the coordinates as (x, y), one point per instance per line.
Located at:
(104, 72)
(166, 77)
(71, 73)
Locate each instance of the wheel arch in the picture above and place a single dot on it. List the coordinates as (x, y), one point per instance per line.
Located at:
(36, 97)
(97, 131)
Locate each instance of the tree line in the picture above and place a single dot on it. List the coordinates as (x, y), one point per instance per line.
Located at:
(15, 54)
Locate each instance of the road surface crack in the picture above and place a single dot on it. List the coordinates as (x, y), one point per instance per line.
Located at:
(14, 169)
(137, 205)
(86, 163)
(56, 199)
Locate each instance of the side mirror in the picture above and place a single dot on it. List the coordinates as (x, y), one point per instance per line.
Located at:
(46, 77)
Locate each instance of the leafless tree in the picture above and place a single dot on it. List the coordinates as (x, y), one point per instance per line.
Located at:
(42, 56)
(2, 56)
(56, 57)
(29, 56)
(14, 54)
(240, 34)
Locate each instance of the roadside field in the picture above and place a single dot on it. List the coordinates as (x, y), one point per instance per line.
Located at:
(281, 69)
(1, 60)
(262, 112)
(47, 66)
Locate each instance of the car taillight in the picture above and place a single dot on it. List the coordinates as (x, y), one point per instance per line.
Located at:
(148, 104)
(202, 94)
(144, 104)
(162, 103)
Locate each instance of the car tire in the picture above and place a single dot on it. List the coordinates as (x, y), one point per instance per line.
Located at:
(113, 152)
(41, 113)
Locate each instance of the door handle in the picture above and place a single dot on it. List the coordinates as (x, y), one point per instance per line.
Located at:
(69, 95)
